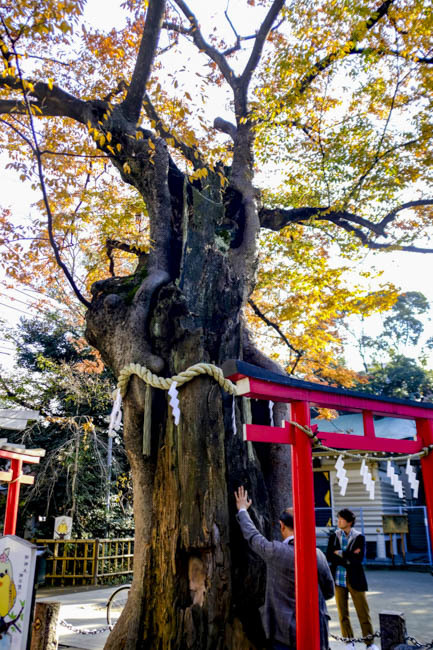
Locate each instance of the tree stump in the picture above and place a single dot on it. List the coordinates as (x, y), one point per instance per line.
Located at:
(44, 628)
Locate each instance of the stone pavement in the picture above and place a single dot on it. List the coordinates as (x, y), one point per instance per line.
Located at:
(408, 592)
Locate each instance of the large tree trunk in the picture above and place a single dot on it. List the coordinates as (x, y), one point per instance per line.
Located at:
(194, 585)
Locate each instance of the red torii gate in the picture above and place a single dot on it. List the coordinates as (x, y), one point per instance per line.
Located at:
(258, 383)
(15, 478)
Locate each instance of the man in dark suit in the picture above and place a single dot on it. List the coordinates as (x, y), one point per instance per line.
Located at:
(279, 611)
(345, 553)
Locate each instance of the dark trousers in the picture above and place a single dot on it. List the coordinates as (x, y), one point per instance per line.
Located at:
(276, 645)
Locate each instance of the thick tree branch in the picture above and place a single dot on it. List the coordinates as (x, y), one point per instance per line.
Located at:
(279, 218)
(51, 102)
(225, 127)
(112, 244)
(276, 219)
(131, 106)
(261, 37)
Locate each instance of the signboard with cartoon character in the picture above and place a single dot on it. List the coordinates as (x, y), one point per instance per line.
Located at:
(17, 570)
(62, 527)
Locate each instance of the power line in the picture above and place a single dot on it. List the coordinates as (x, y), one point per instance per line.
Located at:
(16, 300)
(43, 295)
(26, 313)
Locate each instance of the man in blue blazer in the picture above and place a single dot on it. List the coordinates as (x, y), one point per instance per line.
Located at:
(279, 611)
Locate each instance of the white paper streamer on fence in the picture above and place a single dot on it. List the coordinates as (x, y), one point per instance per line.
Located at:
(271, 412)
(115, 415)
(395, 481)
(341, 475)
(234, 417)
(367, 479)
(412, 479)
(174, 402)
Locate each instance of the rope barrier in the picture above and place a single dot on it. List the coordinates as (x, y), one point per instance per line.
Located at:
(216, 373)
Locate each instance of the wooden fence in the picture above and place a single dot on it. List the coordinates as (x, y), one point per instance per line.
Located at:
(87, 561)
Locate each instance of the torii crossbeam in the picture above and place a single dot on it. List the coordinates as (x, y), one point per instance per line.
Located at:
(258, 383)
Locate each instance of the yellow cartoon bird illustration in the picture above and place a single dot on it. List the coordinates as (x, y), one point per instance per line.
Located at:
(62, 529)
(8, 592)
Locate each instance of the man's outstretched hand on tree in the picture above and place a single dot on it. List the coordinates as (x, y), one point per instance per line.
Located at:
(242, 500)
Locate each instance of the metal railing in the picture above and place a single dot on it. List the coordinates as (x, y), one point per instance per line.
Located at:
(87, 561)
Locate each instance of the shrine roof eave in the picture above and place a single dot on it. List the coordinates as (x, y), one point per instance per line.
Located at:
(265, 384)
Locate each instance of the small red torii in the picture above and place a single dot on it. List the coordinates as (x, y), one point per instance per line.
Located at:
(15, 478)
(258, 383)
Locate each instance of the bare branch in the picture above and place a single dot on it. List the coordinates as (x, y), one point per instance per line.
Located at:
(190, 153)
(268, 322)
(383, 52)
(174, 27)
(348, 48)
(131, 106)
(14, 397)
(200, 42)
(38, 156)
(405, 206)
(112, 244)
(19, 133)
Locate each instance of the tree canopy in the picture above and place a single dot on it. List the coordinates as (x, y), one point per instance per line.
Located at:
(339, 107)
(54, 376)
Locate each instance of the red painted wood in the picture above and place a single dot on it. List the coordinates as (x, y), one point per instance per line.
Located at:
(307, 594)
(17, 456)
(425, 432)
(263, 433)
(367, 418)
(13, 498)
(307, 614)
(347, 441)
(278, 393)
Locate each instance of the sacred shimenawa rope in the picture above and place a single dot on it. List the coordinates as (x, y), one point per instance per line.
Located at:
(216, 373)
(182, 378)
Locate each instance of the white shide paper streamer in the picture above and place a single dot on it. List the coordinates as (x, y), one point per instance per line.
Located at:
(174, 402)
(367, 479)
(341, 475)
(412, 479)
(395, 481)
(271, 412)
(115, 415)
